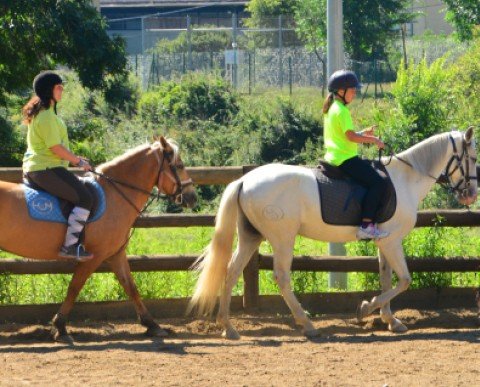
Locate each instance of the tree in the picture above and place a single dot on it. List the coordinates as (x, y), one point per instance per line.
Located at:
(369, 24)
(464, 15)
(37, 35)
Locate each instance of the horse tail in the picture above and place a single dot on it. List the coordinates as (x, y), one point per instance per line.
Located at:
(213, 263)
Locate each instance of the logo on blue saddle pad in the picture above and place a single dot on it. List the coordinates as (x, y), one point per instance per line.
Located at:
(44, 206)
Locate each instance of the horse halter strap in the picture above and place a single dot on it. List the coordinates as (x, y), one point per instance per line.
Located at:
(465, 172)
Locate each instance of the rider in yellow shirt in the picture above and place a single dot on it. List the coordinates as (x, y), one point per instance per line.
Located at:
(47, 157)
(342, 150)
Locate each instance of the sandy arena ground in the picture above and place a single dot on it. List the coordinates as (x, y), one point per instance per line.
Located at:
(442, 348)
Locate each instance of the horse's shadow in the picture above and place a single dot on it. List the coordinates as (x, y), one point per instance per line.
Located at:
(267, 331)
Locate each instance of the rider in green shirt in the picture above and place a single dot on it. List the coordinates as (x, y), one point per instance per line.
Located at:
(342, 150)
(47, 157)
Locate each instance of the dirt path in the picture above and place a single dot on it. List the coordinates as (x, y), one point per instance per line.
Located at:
(442, 348)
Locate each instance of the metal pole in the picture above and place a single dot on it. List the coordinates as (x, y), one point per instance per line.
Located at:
(290, 74)
(335, 61)
(189, 43)
(280, 51)
(234, 46)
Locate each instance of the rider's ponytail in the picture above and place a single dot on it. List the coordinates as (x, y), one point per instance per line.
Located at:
(32, 108)
(328, 102)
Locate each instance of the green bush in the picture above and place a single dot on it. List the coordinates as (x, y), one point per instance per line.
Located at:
(289, 135)
(423, 97)
(194, 97)
(465, 86)
(12, 145)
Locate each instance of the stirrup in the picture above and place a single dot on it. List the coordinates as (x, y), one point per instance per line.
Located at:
(76, 252)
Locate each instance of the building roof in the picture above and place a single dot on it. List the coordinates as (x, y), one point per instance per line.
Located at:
(167, 3)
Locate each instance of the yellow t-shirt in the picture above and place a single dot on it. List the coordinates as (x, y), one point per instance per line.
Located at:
(45, 131)
(335, 124)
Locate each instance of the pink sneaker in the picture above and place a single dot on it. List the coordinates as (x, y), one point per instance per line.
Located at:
(371, 232)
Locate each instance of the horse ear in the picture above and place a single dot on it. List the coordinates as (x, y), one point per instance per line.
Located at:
(469, 134)
(164, 142)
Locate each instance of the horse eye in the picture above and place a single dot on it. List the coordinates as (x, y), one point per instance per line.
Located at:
(180, 166)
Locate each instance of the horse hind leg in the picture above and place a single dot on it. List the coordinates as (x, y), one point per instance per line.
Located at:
(394, 324)
(248, 242)
(121, 268)
(282, 262)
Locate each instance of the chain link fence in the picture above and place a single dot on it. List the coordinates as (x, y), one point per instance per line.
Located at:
(252, 59)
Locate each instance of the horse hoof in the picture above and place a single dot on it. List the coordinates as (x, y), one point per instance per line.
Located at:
(397, 327)
(64, 339)
(311, 333)
(362, 311)
(230, 334)
(156, 332)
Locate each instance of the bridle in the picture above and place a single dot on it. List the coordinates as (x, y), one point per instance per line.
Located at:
(457, 161)
(465, 172)
(176, 196)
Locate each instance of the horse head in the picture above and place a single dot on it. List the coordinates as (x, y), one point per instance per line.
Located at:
(461, 171)
(173, 179)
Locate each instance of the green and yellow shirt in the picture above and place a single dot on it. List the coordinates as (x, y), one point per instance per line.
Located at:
(45, 131)
(335, 124)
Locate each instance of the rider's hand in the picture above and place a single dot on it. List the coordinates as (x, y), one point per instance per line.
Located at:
(84, 163)
(379, 143)
(369, 131)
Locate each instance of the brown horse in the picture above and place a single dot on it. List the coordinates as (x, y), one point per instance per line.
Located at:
(127, 181)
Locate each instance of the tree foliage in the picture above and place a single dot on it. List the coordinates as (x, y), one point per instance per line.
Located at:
(369, 25)
(464, 15)
(36, 35)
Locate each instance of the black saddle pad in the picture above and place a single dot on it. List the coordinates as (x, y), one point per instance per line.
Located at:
(66, 206)
(341, 198)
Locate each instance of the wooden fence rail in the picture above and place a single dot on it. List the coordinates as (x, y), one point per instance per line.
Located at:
(224, 175)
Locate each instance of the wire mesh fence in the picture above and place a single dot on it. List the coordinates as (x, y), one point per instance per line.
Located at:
(251, 58)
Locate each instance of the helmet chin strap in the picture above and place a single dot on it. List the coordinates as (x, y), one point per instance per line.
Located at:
(342, 96)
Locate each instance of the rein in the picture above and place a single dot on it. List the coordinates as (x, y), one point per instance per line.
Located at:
(177, 195)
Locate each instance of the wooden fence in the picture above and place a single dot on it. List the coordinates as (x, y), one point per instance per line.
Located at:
(224, 175)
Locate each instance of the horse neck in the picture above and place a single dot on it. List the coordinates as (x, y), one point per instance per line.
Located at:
(427, 161)
(138, 168)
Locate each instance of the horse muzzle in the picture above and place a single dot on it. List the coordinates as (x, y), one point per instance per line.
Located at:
(467, 198)
(187, 199)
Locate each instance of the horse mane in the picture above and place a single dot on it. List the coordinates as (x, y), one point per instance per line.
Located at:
(132, 153)
(427, 152)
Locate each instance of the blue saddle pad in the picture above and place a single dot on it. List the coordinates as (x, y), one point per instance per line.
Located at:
(44, 206)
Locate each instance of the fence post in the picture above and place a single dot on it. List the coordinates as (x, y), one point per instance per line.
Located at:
(251, 288)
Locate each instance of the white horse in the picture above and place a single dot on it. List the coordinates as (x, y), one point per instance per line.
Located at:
(277, 202)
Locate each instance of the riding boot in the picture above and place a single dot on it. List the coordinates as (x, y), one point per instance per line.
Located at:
(72, 248)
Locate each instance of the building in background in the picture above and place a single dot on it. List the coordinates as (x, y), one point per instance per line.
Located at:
(432, 18)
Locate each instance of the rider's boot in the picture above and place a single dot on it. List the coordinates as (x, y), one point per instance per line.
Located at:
(72, 248)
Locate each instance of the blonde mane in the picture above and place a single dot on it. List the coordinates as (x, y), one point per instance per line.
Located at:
(429, 152)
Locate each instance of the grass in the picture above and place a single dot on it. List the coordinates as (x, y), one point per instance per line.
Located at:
(39, 289)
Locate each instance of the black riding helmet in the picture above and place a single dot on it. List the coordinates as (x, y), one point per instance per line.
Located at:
(343, 79)
(43, 85)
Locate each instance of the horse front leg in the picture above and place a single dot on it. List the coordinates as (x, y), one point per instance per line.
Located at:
(394, 324)
(121, 268)
(82, 272)
(394, 259)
